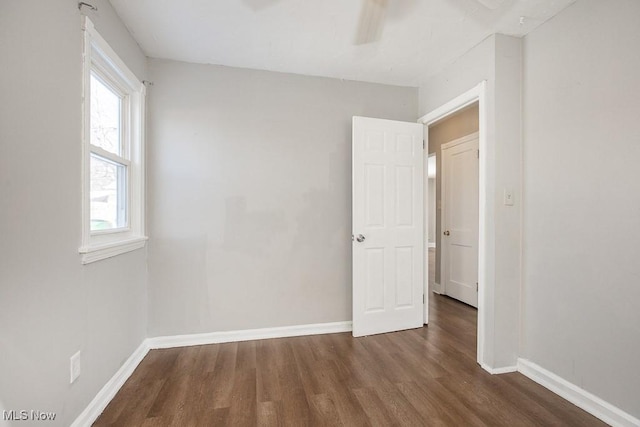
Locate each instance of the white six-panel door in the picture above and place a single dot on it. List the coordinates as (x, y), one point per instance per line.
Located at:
(388, 235)
(460, 219)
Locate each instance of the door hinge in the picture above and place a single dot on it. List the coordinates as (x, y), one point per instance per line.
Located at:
(423, 299)
(478, 153)
(476, 286)
(423, 144)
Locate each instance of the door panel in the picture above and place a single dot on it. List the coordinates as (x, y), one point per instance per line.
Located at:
(404, 196)
(374, 199)
(388, 213)
(404, 277)
(374, 281)
(460, 219)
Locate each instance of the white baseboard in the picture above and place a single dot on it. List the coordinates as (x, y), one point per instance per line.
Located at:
(104, 396)
(437, 288)
(576, 395)
(248, 335)
(496, 371)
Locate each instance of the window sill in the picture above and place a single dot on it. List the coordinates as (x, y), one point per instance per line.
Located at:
(95, 253)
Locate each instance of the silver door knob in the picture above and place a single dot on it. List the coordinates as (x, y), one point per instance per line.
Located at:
(360, 238)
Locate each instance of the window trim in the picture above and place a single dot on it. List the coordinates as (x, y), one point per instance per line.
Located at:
(98, 55)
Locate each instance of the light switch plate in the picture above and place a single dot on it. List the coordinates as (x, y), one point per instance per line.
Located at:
(508, 197)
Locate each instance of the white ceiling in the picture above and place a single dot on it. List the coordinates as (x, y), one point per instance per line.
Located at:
(315, 37)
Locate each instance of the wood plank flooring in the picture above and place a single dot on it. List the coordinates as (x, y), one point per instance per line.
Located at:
(420, 377)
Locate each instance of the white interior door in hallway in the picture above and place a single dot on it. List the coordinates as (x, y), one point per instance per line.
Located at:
(460, 219)
(388, 226)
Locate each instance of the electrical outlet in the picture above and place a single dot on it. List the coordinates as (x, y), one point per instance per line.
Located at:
(74, 367)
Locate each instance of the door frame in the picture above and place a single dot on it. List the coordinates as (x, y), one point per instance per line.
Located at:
(485, 287)
(444, 249)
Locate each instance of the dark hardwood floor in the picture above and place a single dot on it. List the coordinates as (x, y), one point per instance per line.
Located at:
(419, 377)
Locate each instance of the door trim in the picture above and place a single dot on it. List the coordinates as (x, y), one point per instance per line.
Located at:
(485, 226)
(459, 141)
(443, 197)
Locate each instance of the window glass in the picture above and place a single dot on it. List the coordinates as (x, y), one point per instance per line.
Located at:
(107, 194)
(106, 106)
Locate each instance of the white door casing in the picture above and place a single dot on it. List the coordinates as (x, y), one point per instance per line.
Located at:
(460, 219)
(388, 209)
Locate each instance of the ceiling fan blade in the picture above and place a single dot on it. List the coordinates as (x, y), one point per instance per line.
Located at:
(490, 4)
(371, 21)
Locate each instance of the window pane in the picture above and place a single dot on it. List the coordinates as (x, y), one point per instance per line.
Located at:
(105, 117)
(108, 194)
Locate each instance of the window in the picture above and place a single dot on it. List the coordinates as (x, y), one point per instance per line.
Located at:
(113, 153)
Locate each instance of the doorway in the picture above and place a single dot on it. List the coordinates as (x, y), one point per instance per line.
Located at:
(390, 271)
(448, 133)
(473, 98)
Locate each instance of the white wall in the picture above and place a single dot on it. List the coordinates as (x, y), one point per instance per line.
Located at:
(51, 305)
(582, 198)
(508, 176)
(250, 195)
(498, 61)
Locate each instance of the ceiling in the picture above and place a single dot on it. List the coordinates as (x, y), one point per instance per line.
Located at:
(316, 38)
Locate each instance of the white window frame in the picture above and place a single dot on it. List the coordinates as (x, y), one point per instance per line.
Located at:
(100, 58)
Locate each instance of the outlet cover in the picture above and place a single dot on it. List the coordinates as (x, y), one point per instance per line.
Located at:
(74, 367)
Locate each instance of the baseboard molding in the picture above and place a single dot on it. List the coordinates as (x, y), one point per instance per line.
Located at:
(437, 288)
(496, 371)
(104, 396)
(248, 335)
(597, 407)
